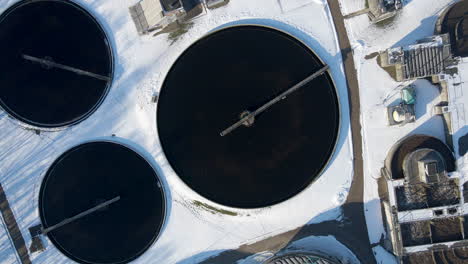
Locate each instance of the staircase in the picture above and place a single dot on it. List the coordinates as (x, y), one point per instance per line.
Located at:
(424, 61)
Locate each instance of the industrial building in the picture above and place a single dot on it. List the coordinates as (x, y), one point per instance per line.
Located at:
(157, 15)
(380, 10)
(427, 58)
(422, 200)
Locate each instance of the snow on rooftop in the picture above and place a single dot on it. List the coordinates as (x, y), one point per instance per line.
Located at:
(193, 232)
(458, 103)
(436, 41)
(415, 249)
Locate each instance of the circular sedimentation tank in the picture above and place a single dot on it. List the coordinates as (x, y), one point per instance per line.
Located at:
(121, 189)
(220, 79)
(56, 65)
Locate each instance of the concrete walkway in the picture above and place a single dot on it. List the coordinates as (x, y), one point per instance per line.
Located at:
(13, 229)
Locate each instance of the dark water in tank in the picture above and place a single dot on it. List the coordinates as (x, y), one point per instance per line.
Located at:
(91, 174)
(64, 33)
(221, 76)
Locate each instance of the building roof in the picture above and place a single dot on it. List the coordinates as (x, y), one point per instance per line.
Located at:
(427, 58)
(146, 14)
(153, 11)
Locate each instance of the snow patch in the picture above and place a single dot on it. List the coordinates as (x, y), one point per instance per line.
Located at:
(383, 256)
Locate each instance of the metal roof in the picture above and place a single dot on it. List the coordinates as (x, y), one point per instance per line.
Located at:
(146, 14)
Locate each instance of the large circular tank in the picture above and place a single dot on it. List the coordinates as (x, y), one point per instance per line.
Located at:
(56, 62)
(220, 79)
(113, 199)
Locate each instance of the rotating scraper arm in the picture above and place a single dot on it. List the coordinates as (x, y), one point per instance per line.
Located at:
(250, 116)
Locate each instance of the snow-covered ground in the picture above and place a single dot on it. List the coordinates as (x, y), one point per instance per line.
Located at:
(458, 107)
(378, 90)
(192, 232)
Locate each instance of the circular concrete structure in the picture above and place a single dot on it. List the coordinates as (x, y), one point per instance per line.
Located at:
(396, 156)
(56, 63)
(223, 77)
(414, 168)
(454, 21)
(119, 180)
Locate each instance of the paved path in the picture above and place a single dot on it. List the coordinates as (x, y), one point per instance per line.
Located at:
(357, 188)
(13, 229)
(352, 232)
